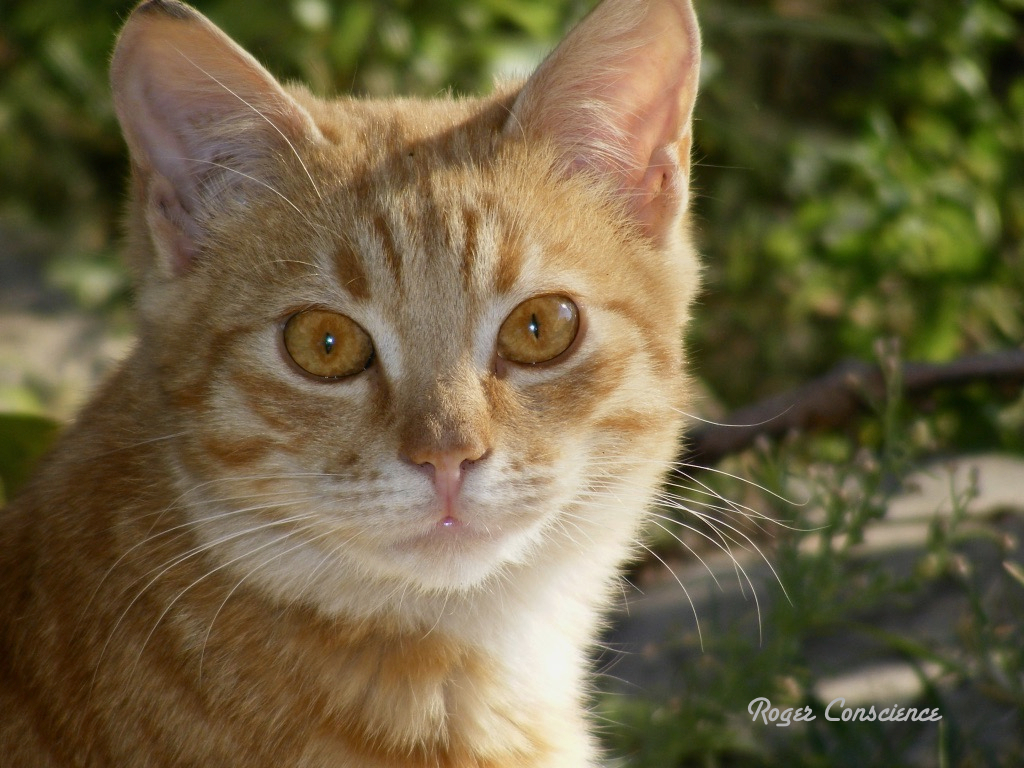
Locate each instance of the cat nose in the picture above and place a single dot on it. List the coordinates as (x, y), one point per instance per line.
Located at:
(446, 467)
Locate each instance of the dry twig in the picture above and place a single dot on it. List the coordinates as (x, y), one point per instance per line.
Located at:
(834, 399)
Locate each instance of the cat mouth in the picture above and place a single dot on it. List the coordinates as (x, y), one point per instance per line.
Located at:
(450, 523)
(453, 534)
(449, 530)
(450, 551)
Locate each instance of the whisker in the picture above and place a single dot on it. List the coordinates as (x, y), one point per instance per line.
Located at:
(188, 524)
(174, 562)
(224, 602)
(694, 417)
(714, 523)
(91, 457)
(253, 179)
(203, 578)
(261, 115)
(656, 556)
(690, 549)
(680, 466)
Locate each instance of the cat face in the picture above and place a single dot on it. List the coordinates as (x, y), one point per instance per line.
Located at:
(416, 345)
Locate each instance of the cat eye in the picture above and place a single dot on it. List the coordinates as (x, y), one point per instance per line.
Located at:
(538, 330)
(327, 344)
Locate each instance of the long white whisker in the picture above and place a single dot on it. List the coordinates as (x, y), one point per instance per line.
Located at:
(714, 523)
(210, 573)
(680, 467)
(255, 181)
(162, 570)
(191, 523)
(688, 548)
(275, 556)
(682, 586)
(738, 426)
(262, 116)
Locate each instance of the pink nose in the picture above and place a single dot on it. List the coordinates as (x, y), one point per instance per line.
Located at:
(447, 468)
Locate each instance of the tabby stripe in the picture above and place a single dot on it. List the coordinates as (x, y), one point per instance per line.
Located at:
(388, 247)
(664, 354)
(350, 273)
(470, 253)
(238, 452)
(511, 255)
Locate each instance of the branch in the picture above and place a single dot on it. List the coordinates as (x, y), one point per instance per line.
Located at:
(835, 398)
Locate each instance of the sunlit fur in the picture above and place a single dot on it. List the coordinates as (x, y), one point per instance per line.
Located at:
(227, 561)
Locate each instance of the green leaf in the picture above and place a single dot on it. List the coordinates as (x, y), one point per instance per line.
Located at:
(23, 439)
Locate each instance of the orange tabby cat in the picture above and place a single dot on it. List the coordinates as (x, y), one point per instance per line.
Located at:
(408, 373)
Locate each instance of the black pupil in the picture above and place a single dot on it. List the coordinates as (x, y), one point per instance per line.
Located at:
(328, 343)
(534, 326)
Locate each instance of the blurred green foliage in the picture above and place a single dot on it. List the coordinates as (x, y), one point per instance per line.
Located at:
(864, 178)
(23, 440)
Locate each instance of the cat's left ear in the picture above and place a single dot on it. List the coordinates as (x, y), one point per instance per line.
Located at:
(616, 98)
(201, 118)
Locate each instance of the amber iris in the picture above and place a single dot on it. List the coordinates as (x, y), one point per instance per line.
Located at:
(327, 344)
(538, 330)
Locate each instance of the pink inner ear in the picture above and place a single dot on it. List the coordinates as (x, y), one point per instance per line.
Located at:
(199, 114)
(184, 92)
(617, 97)
(173, 228)
(659, 192)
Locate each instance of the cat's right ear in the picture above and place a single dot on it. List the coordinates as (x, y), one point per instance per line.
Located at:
(200, 116)
(616, 100)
